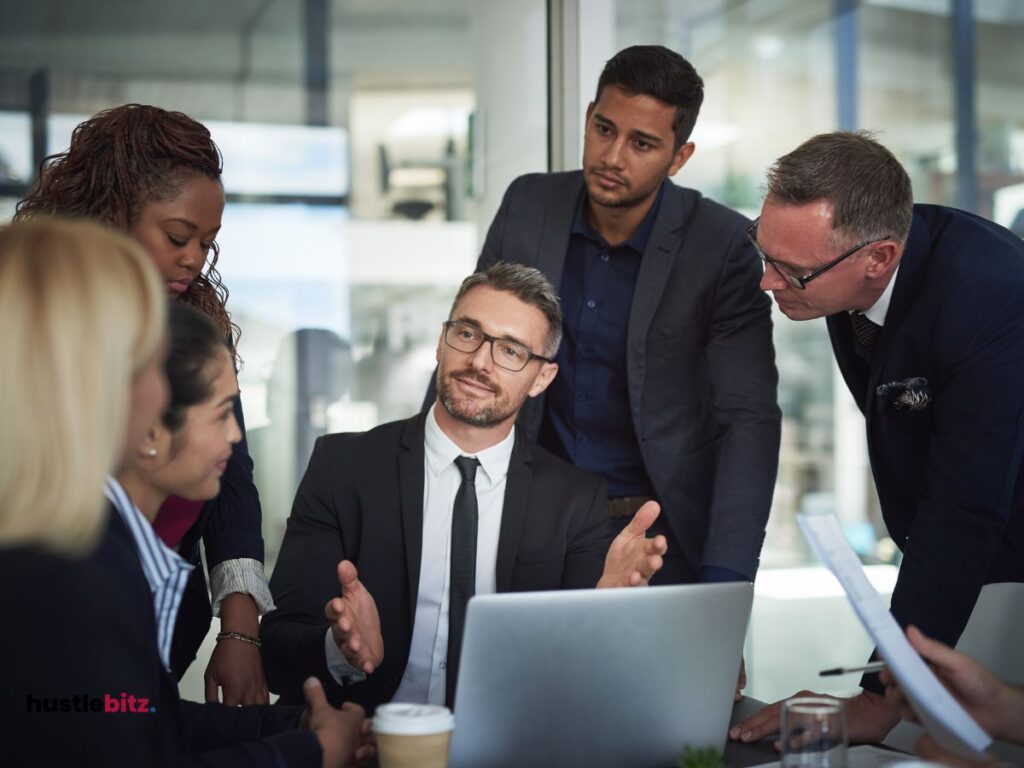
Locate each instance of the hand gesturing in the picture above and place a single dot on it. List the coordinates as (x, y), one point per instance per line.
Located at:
(633, 558)
(355, 624)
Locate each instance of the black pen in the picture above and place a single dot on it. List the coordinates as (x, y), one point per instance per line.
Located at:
(874, 666)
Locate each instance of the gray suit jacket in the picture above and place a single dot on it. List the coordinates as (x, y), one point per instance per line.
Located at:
(700, 360)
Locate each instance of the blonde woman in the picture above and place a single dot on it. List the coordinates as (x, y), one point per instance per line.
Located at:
(84, 678)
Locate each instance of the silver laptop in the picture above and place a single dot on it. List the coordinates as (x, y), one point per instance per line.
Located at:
(618, 677)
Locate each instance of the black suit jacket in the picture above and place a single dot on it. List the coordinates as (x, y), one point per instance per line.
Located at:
(86, 628)
(949, 474)
(700, 361)
(362, 499)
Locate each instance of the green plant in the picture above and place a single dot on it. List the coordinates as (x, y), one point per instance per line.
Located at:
(707, 757)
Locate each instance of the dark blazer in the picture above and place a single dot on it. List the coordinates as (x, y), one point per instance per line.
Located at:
(86, 628)
(230, 526)
(700, 361)
(948, 473)
(362, 499)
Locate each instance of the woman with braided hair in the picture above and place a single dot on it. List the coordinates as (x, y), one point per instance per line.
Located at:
(156, 175)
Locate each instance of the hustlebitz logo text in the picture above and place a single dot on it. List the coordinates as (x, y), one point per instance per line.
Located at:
(107, 704)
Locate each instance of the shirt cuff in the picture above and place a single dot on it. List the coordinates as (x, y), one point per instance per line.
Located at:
(243, 575)
(342, 672)
(713, 574)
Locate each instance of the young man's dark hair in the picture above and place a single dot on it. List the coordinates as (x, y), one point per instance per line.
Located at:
(655, 71)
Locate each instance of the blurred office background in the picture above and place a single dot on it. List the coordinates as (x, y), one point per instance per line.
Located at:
(367, 144)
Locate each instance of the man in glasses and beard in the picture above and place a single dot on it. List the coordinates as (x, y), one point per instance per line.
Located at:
(414, 517)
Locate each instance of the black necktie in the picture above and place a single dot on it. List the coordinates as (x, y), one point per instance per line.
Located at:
(463, 573)
(865, 331)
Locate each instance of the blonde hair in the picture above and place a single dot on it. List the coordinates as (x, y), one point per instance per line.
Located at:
(82, 310)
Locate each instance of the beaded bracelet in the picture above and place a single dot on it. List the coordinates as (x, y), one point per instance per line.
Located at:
(239, 636)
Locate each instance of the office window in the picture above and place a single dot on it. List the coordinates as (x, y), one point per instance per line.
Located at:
(366, 146)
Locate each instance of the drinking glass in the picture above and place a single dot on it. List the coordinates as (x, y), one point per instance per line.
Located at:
(813, 733)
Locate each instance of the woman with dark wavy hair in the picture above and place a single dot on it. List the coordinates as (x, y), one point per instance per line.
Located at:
(156, 175)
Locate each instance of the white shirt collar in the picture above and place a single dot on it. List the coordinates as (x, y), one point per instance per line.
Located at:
(876, 312)
(441, 451)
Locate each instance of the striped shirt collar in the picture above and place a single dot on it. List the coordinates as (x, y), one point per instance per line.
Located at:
(166, 571)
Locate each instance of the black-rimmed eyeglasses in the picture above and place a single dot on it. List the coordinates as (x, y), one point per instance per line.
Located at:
(510, 355)
(795, 280)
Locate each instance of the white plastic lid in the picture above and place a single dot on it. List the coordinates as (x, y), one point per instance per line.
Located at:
(413, 719)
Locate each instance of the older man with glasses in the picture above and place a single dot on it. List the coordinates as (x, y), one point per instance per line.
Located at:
(925, 309)
(415, 517)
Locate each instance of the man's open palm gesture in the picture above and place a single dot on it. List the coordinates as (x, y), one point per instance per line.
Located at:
(355, 623)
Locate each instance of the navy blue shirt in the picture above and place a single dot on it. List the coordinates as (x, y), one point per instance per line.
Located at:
(587, 416)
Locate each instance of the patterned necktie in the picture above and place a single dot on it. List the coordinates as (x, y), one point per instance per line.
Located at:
(865, 331)
(463, 568)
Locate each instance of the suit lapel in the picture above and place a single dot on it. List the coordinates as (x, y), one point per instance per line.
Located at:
(655, 266)
(559, 211)
(410, 481)
(513, 512)
(908, 280)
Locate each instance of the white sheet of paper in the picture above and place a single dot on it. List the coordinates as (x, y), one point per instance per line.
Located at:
(947, 722)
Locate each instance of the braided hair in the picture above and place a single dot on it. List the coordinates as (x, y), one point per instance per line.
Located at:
(120, 160)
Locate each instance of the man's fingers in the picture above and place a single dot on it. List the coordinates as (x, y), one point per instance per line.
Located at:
(895, 696)
(334, 609)
(315, 696)
(643, 519)
(348, 576)
(654, 546)
(763, 723)
(932, 650)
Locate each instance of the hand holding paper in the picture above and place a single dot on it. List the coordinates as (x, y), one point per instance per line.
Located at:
(949, 724)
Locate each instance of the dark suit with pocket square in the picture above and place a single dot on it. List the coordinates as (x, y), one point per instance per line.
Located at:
(942, 391)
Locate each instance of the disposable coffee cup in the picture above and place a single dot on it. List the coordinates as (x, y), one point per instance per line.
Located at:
(413, 735)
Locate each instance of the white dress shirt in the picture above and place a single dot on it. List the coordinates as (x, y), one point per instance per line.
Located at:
(876, 312)
(425, 676)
